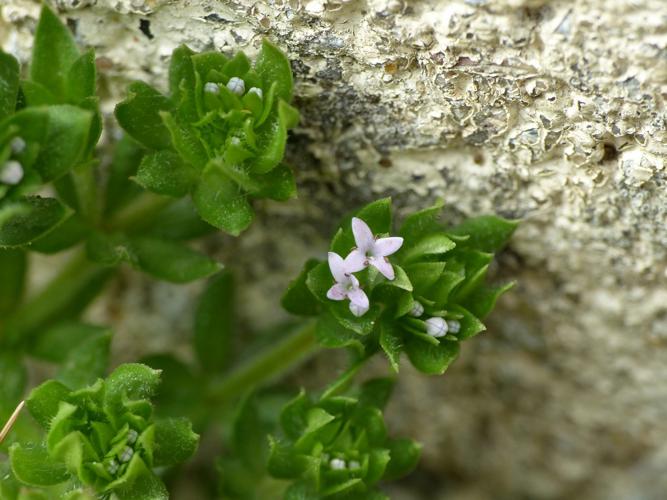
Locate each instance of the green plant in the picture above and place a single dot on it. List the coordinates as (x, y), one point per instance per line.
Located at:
(191, 163)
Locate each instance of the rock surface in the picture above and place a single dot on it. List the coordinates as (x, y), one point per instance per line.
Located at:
(549, 111)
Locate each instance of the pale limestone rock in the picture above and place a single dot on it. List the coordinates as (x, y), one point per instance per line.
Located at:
(549, 111)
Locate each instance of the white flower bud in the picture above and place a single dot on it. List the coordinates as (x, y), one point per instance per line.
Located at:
(453, 326)
(211, 88)
(417, 309)
(112, 467)
(256, 90)
(126, 456)
(436, 327)
(337, 464)
(17, 145)
(12, 173)
(132, 436)
(236, 85)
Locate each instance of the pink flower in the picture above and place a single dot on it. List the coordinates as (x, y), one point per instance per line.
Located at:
(371, 251)
(346, 286)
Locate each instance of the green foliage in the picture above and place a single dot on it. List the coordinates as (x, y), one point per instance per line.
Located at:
(103, 436)
(338, 447)
(219, 142)
(439, 272)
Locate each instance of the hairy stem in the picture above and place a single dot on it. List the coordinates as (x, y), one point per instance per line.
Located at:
(265, 366)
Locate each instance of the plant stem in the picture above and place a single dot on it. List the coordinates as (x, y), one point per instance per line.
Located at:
(139, 213)
(265, 366)
(66, 295)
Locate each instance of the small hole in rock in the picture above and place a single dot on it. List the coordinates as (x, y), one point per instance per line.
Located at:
(385, 162)
(478, 158)
(610, 152)
(145, 27)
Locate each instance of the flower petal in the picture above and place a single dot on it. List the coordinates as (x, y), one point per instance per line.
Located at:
(383, 265)
(337, 267)
(387, 246)
(358, 301)
(363, 235)
(337, 292)
(355, 261)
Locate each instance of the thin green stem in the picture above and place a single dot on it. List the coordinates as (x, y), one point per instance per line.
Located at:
(265, 366)
(139, 213)
(66, 295)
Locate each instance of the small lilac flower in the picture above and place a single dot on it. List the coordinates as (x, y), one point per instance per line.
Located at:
(211, 88)
(453, 326)
(436, 327)
(346, 286)
(11, 173)
(337, 464)
(236, 85)
(417, 309)
(256, 90)
(371, 251)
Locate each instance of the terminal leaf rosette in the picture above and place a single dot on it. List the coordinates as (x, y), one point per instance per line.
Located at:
(338, 448)
(103, 437)
(219, 136)
(421, 290)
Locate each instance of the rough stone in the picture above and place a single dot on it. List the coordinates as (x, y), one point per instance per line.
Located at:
(548, 111)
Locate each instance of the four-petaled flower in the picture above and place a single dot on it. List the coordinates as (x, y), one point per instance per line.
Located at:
(371, 251)
(346, 286)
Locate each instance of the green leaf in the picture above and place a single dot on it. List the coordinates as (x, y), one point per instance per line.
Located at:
(428, 358)
(9, 84)
(482, 301)
(180, 221)
(54, 51)
(14, 379)
(278, 184)
(214, 323)
(273, 66)
(391, 342)
(293, 415)
(32, 465)
(86, 362)
(139, 483)
(81, 78)
(423, 275)
(420, 224)
(24, 221)
(433, 244)
(330, 333)
(470, 325)
(236, 66)
(175, 441)
(182, 83)
(171, 261)
(476, 266)
(185, 141)
(130, 382)
(271, 139)
(488, 233)
(285, 463)
(139, 115)
(14, 265)
(66, 235)
(181, 391)
(405, 454)
(37, 94)
(249, 442)
(127, 156)
(376, 392)
(43, 401)
(109, 249)
(68, 133)
(164, 172)
(220, 202)
(298, 299)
